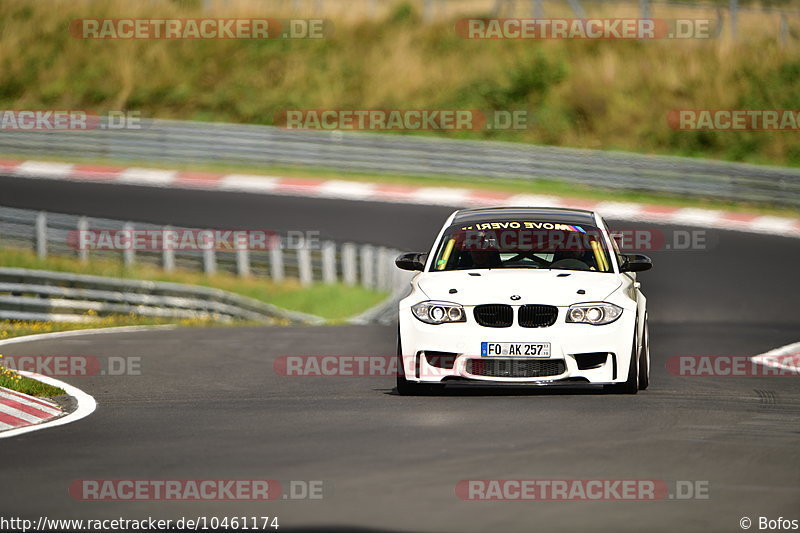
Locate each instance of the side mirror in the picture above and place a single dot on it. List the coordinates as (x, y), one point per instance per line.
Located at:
(635, 263)
(412, 261)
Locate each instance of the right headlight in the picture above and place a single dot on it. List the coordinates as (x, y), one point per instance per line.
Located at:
(596, 314)
(438, 312)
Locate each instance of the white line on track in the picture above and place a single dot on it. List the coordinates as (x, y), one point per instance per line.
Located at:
(786, 357)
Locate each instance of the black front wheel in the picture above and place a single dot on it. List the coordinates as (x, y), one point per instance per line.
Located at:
(631, 384)
(644, 358)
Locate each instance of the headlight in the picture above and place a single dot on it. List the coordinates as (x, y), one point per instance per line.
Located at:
(593, 313)
(438, 312)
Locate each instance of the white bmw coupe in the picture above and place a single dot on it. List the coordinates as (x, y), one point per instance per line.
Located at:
(523, 296)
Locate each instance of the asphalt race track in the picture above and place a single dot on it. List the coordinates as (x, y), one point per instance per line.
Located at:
(209, 405)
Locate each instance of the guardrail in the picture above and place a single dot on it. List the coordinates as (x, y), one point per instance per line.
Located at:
(327, 261)
(27, 294)
(179, 142)
(40, 295)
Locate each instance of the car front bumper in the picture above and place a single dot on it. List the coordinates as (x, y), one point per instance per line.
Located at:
(576, 352)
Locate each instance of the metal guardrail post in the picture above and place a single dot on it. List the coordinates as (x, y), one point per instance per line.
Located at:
(391, 253)
(276, 261)
(128, 254)
(784, 31)
(381, 269)
(427, 10)
(536, 8)
(243, 262)
(367, 266)
(304, 266)
(397, 274)
(577, 8)
(349, 264)
(209, 261)
(167, 253)
(83, 227)
(41, 234)
(329, 262)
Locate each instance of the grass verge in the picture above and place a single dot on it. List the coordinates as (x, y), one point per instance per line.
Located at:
(612, 94)
(9, 379)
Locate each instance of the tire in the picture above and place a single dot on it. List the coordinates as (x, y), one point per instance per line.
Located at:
(631, 384)
(405, 387)
(644, 358)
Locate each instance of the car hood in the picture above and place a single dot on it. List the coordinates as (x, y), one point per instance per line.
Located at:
(551, 287)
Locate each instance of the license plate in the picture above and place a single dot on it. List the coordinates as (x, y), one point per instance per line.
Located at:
(521, 349)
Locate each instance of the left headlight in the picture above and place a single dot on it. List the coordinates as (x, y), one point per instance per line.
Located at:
(438, 312)
(596, 314)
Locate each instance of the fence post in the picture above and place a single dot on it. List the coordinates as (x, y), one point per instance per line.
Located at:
(128, 254)
(536, 7)
(367, 266)
(167, 253)
(645, 7)
(390, 268)
(209, 261)
(734, 9)
(304, 266)
(329, 262)
(577, 9)
(349, 263)
(83, 227)
(784, 29)
(276, 260)
(243, 262)
(41, 234)
(396, 276)
(382, 268)
(427, 10)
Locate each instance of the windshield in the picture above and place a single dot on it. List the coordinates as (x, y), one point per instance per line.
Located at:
(522, 244)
